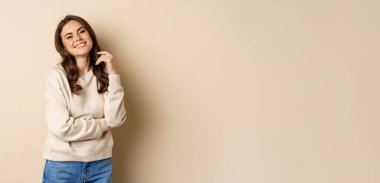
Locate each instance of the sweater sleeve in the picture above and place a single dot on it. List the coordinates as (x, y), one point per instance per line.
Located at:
(114, 109)
(60, 123)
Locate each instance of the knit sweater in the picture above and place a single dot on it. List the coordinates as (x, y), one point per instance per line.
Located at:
(79, 126)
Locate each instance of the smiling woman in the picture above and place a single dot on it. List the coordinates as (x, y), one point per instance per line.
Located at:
(79, 114)
(76, 42)
(72, 34)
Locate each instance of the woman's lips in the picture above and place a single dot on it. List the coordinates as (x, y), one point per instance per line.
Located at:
(80, 45)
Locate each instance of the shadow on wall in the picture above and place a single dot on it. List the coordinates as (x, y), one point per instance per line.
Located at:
(128, 137)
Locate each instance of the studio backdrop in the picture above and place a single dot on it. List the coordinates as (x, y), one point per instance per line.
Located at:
(243, 91)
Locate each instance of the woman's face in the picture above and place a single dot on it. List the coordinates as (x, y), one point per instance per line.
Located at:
(76, 39)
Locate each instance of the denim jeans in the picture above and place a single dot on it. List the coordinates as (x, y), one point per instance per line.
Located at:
(78, 172)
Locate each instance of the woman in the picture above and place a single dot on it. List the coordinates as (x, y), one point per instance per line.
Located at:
(84, 102)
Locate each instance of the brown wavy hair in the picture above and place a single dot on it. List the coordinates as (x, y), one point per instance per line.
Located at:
(69, 63)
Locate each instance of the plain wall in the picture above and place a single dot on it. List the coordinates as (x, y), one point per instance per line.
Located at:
(281, 91)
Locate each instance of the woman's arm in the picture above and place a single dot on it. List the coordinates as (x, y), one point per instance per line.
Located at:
(59, 121)
(114, 110)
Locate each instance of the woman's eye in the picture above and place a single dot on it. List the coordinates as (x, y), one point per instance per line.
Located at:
(82, 31)
(69, 37)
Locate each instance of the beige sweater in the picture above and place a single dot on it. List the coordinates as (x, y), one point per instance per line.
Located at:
(79, 125)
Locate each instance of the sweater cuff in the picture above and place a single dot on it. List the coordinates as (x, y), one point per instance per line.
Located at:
(114, 79)
(103, 124)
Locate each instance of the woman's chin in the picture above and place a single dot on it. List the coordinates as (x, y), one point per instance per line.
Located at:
(81, 54)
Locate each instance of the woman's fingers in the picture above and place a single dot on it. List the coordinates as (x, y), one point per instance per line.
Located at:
(105, 57)
(103, 52)
(108, 59)
(100, 59)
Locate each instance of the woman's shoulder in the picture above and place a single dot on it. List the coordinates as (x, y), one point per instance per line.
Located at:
(56, 72)
(57, 69)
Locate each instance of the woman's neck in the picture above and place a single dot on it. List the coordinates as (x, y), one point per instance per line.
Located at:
(83, 64)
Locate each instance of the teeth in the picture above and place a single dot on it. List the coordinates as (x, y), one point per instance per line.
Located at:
(80, 45)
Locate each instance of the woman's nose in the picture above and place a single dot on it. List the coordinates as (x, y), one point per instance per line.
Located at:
(78, 38)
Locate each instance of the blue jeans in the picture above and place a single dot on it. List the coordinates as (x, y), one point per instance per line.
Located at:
(78, 172)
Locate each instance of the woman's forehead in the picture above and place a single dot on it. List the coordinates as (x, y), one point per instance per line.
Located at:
(71, 26)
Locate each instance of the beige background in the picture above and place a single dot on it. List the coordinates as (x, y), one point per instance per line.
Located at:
(281, 91)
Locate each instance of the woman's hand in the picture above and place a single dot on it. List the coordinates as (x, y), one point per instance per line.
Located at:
(108, 59)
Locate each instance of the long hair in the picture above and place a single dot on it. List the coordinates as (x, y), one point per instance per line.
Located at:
(69, 63)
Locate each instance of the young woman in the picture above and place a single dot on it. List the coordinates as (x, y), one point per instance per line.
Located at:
(84, 99)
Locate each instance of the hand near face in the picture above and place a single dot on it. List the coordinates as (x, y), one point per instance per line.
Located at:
(109, 61)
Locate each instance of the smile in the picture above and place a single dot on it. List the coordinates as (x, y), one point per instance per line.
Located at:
(80, 45)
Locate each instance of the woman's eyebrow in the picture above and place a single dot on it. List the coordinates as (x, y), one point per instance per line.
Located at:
(80, 28)
(71, 32)
(67, 34)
